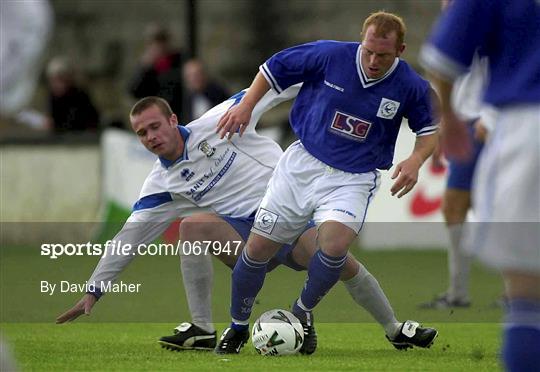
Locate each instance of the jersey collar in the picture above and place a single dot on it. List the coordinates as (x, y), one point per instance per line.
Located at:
(184, 132)
(367, 82)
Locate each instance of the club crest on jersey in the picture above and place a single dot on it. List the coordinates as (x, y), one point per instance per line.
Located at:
(387, 108)
(350, 126)
(187, 174)
(265, 220)
(205, 147)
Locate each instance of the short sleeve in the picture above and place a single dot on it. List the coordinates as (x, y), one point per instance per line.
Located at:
(459, 32)
(297, 64)
(420, 113)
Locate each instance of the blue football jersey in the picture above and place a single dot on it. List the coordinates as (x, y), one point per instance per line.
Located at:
(342, 117)
(506, 31)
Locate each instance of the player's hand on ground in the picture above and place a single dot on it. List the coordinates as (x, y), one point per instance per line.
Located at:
(84, 306)
(237, 117)
(407, 175)
(455, 140)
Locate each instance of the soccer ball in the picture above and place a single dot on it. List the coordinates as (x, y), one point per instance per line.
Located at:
(277, 332)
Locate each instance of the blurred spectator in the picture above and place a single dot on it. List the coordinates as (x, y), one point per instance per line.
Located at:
(159, 72)
(25, 27)
(202, 92)
(70, 106)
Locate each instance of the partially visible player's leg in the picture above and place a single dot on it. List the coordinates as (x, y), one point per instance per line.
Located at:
(507, 201)
(367, 292)
(247, 280)
(197, 274)
(522, 322)
(456, 204)
(361, 285)
(341, 201)
(248, 277)
(324, 268)
(197, 269)
(363, 288)
(281, 218)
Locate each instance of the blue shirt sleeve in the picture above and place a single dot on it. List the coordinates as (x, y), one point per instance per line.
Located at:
(462, 29)
(420, 113)
(295, 65)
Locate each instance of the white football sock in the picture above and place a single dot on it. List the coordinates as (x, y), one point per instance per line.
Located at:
(198, 276)
(459, 263)
(366, 292)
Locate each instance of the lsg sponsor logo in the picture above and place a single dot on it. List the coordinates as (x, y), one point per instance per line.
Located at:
(349, 126)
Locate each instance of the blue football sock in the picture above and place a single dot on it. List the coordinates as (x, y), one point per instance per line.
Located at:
(239, 327)
(247, 280)
(323, 273)
(521, 339)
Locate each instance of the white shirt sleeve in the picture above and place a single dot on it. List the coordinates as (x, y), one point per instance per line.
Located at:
(270, 100)
(142, 227)
(468, 92)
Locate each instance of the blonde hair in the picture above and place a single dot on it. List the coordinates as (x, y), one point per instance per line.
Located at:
(384, 24)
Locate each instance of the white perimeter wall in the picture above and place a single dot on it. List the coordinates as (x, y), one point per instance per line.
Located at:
(44, 185)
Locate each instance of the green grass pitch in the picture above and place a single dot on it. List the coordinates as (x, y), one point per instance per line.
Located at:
(122, 331)
(133, 346)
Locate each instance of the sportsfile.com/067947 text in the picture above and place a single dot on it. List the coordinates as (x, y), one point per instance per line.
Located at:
(116, 248)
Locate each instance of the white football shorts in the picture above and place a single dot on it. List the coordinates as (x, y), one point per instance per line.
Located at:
(507, 193)
(304, 188)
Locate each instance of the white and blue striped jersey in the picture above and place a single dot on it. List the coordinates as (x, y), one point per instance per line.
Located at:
(226, 177)
(506, 31)
(342, 117)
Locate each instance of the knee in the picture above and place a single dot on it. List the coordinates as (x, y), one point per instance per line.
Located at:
(261, 249)
(193, 227)
(337, 246)
(351, 268)
(334, 238)
(335, 249)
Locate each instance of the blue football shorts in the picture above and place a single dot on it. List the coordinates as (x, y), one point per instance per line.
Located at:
(460, 174)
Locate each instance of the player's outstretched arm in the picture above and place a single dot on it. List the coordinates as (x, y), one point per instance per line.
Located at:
(140, 229)
(238, 116)
(84, 306)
